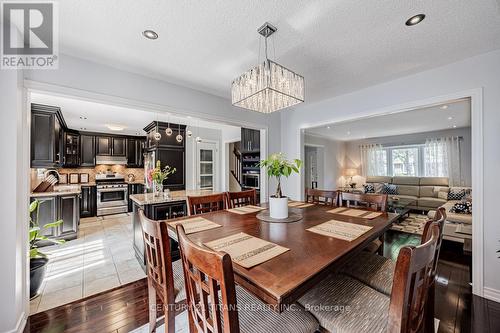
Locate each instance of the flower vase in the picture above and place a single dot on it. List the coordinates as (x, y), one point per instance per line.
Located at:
(157, 189)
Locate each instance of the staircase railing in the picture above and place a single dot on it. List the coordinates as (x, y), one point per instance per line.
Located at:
(237, 166)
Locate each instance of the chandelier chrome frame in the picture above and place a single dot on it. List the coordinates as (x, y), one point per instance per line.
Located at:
(269, 86)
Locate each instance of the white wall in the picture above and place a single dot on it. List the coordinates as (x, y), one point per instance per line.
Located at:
(353, 155)
(333, 161)
(482, 71)
(14, 203)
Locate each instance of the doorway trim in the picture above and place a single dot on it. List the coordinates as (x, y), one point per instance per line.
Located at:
(477, 162)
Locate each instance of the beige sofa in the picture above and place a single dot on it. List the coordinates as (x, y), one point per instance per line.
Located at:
(429, 194)
(424, 190)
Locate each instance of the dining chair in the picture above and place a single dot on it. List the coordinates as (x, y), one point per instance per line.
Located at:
(241, 198)
(165, 278)
(370, 201)
(216, 304)
(378, 271)
(206, 203)
(326, 197)
(344, 304)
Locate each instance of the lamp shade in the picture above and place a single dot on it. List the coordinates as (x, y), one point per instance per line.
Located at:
(350, 172)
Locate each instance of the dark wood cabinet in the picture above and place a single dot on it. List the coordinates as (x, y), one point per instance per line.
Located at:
(88, 201)
(119, 146)
(87, 150)
(250, 140)
(135, 150)
(71, 149)
(134, 189)
(175, 158)
(46, 124)
(63, 207)
(104, 145)
(166, 141)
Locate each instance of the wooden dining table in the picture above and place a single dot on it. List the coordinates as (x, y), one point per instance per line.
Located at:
(284, 279)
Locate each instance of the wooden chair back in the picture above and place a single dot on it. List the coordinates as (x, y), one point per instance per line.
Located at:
(439, 220)
(158, 257)
(206, 203)
(206, 272)
(370, 201)
(412, 279)
(242, 198)
(325, 197)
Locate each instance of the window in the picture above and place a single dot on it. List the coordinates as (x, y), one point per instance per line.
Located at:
(397, 161)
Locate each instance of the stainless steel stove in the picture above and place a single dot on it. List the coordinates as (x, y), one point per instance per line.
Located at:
(112, 194)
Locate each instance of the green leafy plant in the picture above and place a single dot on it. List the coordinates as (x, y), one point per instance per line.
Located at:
(35, 236)
(158, 174)
(278, 166)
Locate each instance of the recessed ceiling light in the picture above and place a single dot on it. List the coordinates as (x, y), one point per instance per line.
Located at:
(454, 126)
(444, 107)
(415, 20)
(348, 132)
(114, 127)
(328, 127)
(150, 34)
(450, 118)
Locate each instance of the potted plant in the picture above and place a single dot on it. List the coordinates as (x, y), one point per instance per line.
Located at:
(38, 259)
(157, 176)
(278, 166)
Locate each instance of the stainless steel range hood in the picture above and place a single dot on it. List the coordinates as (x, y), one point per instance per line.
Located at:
(110, 160)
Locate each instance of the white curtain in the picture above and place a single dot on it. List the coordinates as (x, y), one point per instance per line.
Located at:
(442, 159)
(373, 160)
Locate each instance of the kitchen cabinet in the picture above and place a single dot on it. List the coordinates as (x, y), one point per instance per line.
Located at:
(135, 157)
(134, 189)
(60, 207)
(88, 201)
(104, 145)
(250, 140)
(165, 141)
(175, 158)
(87, 150)
(71, 149)
(46, 132)
(119, 146)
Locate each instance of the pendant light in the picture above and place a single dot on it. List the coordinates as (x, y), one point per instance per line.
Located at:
(168, 131)
(179, 136)
(157, 134)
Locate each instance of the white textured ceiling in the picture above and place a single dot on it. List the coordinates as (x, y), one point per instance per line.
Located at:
(338, 45)
(97, 115)
(415, 121)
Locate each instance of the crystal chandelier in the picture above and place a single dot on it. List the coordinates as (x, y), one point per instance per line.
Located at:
(268, 87)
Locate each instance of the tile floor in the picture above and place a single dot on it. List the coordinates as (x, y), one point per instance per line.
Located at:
(101, 258)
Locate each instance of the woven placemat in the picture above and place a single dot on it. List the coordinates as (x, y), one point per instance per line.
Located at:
(294, 215)
(195, 224)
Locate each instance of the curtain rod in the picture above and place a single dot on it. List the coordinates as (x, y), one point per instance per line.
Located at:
(389, 144)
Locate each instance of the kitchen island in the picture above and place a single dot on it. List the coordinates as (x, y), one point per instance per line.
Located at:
(159, 208)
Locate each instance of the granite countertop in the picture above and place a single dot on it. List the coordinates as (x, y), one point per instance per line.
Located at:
(59, 190)
(138, 181)
(149, 198)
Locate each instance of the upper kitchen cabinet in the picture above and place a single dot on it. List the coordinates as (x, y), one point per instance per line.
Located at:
(71, 149)
(46, 136)
(104, 145)
(135, 147)
(119, 146)
(165, 141)
(87, 150)
(111, 146)
(250, 140)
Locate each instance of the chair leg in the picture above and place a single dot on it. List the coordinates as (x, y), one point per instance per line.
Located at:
(429, 309)
(170, 312)
(152, 307)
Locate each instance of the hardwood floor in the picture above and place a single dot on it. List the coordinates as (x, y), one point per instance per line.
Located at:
(125, 308)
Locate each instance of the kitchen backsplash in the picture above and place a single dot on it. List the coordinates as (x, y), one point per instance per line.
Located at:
(137, 172)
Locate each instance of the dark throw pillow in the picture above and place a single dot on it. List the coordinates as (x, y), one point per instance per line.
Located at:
(456, 194)
(390, 189)
(369, 188)
(463, 207)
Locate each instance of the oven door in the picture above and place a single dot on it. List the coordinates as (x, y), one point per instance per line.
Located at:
(111, 197)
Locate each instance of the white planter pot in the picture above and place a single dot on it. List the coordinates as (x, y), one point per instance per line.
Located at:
(278, 208)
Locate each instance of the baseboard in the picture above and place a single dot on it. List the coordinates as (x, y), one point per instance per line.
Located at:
(20, 324)
(491, 294)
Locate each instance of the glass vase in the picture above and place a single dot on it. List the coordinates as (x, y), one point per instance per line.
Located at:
(157, 189)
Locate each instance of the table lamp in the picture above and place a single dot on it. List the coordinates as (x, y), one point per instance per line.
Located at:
(351, 172)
